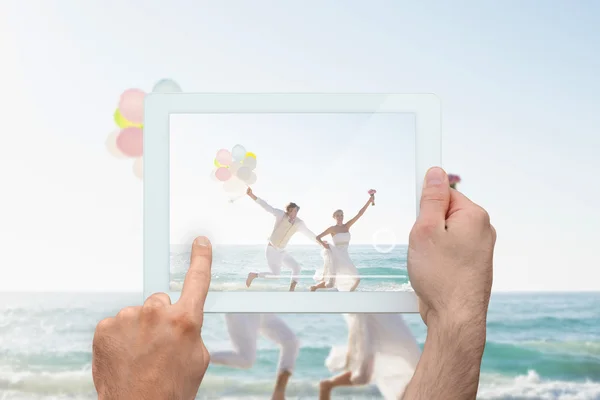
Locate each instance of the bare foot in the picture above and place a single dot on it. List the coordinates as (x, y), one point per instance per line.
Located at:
(251, 276)
(293, 286)
(313, 288)
(325, 390)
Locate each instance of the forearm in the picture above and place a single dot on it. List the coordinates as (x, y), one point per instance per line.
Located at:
(450, 364)
(252, 196)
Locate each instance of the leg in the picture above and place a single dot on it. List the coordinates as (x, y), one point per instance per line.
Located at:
(243, 332)
(273, 328)
(292, 264)
(320, 285)
(274, 261)
(326, 386)
(355, 285)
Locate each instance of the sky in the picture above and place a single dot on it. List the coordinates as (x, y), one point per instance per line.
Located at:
(322, 162)
(518, 84)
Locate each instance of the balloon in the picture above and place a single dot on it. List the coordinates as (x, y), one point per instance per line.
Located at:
(234, 166)
(111, 145)
(250, 154)
(223, 174)
(234, 185)
(223, 157)
(138, 168)
(218, 164)
(131, 105)
(252, 179)
(238, 152)
(249, 162)
(213, 176)
(243, 173)
(166, 86)
(131, 142)
(122, 122)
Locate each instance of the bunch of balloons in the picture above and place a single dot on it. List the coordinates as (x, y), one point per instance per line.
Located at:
(235, 168)
(454, 180)
(128, 140)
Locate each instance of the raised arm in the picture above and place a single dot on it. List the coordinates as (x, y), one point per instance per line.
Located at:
(360, 213)
(268, 208)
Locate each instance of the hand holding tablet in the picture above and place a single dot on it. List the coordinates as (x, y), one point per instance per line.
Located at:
(451, 267)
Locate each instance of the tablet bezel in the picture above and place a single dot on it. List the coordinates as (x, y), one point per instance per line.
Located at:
(158, 109)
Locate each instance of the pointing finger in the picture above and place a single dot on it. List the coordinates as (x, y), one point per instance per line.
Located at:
(197, 279)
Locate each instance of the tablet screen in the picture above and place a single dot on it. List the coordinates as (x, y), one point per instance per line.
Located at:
(294, 202)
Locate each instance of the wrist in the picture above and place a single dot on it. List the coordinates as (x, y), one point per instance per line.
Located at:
(463, 334)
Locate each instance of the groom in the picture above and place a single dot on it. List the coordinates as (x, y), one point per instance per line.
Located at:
(286, 225)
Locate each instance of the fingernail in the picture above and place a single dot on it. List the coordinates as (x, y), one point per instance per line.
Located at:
(201, 241)
(435, 177)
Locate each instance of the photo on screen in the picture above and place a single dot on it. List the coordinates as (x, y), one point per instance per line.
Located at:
(294, 201)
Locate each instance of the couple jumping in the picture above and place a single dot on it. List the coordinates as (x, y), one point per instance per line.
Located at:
(339, 270)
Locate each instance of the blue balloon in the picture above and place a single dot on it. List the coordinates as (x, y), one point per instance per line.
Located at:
(166, 86)
(238, 152)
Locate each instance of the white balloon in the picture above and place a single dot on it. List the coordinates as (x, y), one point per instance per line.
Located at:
(138, 168)
(234, 185)
(166, 86)
(238, 152)
(234, 167)
(244, 173)
(252, 179)
(111, 145)
(249, 162)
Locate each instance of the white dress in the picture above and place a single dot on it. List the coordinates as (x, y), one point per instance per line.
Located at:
(381, 350)
(338, 268)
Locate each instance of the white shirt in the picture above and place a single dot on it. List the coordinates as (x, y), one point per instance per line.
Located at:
(280, 215)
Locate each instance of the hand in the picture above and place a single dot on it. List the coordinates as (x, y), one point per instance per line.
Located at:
(450, 256)
(155, 351)
(325, 244)
(249, 191)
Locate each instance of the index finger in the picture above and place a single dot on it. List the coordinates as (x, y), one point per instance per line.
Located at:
(197, 279)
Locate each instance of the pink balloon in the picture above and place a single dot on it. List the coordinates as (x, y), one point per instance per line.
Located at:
(131, 142)
(223, 174)
(224, 157)
(131, 105)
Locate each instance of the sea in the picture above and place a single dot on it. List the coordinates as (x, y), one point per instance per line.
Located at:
(539, 345)
(381, 267)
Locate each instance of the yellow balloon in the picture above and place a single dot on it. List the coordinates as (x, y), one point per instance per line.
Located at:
(123, 123)
(219, 165)
(250, 154)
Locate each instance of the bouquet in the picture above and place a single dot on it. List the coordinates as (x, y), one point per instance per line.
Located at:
(372, 194)
(454, 180)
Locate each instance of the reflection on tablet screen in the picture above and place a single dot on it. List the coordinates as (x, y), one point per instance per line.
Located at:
(302, 201)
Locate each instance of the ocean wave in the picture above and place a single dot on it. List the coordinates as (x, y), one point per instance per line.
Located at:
(75, 382)
(79, 384)
(560, 362)
(532, 386)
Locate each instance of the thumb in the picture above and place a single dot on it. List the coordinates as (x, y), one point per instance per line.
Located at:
(435, 199)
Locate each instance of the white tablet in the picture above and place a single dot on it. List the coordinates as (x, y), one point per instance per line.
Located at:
(335, 182)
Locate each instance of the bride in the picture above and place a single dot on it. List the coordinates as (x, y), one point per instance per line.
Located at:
(339, 270)
(381, 350)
